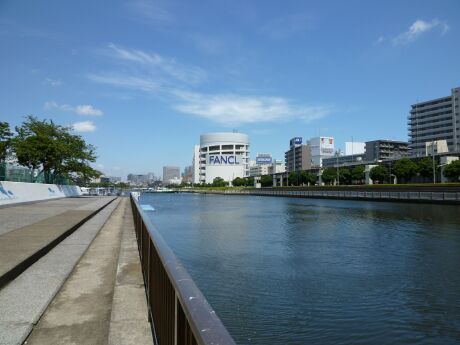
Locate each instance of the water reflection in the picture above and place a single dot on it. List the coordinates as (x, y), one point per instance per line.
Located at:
(305, 271)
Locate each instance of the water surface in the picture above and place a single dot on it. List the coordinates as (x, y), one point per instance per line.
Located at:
(314, 271)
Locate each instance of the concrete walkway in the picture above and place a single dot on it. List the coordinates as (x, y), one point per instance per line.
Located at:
(103, 300)
(23, 300)
(24, 245)
(15, 217)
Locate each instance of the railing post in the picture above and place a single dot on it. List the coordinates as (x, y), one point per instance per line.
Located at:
(175, 318)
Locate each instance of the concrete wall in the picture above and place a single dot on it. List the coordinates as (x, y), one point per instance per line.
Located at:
(18, 192)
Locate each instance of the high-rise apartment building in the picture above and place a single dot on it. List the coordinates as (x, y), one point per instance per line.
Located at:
(171, 173)
(298, 157)
(385, 149)
(436, 119)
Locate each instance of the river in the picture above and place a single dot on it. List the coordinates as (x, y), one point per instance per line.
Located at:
(314, 271)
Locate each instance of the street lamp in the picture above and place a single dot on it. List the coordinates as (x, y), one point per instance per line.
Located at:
(434, 166)
(337, 154)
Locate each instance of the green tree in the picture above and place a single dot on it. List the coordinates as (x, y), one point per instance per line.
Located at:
(293, 178)
(219, 182)
(266, 180)
(405, 169)
(307, 177)
(5, 140)
(344, 176)
(358, 174)
(379, 174)
(329, 175)
(238, 181)
(249, 181)
(425, 167)
(452, 171)
(53, 149)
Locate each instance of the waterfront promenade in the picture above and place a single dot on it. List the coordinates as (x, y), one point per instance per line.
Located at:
(70, 274)
(432, 194)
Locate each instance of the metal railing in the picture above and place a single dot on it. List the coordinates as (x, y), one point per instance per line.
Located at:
(451, 196)
(178, 311)
(16, 173)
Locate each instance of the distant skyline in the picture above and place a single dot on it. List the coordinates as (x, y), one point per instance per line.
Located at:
(141, 80)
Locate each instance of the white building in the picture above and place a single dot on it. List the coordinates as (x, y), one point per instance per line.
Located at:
(224, 155)
(354, 148)
(276, 167)
(321, 147)
(259, 169)
(196, 164)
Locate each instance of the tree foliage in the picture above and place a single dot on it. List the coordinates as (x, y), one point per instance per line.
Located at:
(219, 182)
(425, 167)
(266, 180)
(307, 177)
(41, 144)
(329, 175)
(379, 174)
(5, 140)
(452, 171)
(293, 178)
(344, 176)
(243, 182)
(405, 169)
(238, 182)
(358, 174)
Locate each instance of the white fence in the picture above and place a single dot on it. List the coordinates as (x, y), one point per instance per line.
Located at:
(18, 192)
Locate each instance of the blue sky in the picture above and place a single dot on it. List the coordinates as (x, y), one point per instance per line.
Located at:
(141, 80)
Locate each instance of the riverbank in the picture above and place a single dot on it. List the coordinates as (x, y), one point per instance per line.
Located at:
(438, 194)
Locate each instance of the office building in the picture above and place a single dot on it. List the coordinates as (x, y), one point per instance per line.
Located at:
(354, 148)
(276, 167)
(141, 179)
(343, 160)
(321, 147)
(298, 157)
(436, 119)
(224, 155)
(187, 175)
(171, 173)
(261, 166)
(386, 149)
(196, 164)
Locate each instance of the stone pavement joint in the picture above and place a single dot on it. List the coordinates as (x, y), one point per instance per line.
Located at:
(21, 247)
(23, 301)
(93, 306)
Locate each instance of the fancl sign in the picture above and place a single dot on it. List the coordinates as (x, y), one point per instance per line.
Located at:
(223, 159)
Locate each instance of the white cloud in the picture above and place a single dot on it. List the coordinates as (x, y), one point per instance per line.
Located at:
(155, 63)
(84, 109)
(231, 109)
(126, 81)
(418, 28)
(87, 109)
(52, 82)
(175, 82)
(84, 126)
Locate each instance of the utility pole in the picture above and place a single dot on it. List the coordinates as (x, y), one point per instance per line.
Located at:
(337, 153)
(434, 165)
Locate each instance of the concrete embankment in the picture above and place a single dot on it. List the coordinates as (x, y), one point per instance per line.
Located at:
(88, 289)
(423, 194)
(23, 245)
(12, 193)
